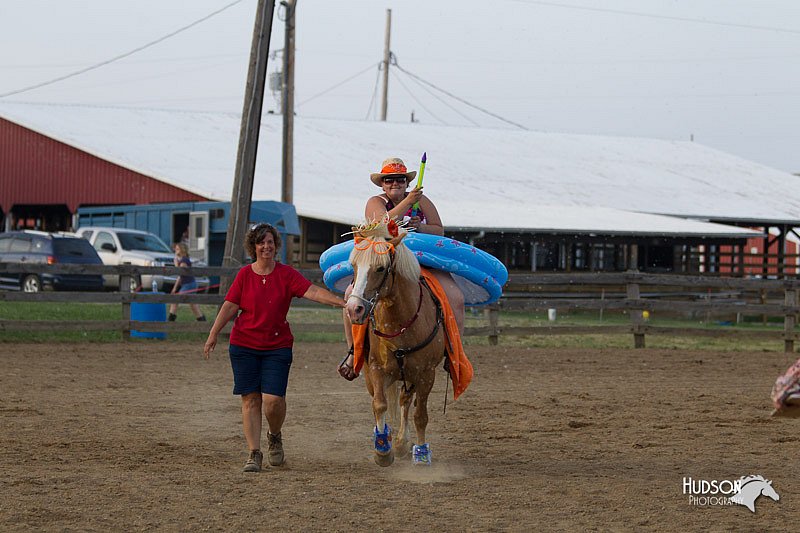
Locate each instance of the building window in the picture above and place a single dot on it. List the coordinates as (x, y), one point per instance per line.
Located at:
(603, 257)
(546, 256)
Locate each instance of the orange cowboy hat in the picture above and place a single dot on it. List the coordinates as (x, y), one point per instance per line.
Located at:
(393, 166)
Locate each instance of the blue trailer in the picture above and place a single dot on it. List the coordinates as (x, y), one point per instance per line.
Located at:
(203, 225)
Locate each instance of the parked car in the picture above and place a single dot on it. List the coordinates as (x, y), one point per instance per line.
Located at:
(38, 247)
(122, 246)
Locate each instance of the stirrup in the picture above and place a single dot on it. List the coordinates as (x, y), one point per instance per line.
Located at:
(344, 361)
(344, 364)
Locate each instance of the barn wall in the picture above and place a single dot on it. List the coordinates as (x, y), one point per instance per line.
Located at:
(36, 170)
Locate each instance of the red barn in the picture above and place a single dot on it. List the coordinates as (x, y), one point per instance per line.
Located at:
(43, 181)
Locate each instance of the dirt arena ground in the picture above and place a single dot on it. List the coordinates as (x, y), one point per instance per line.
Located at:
(146, 435)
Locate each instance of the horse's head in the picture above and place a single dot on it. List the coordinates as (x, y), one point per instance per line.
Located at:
(751, 488)
(769, 492)
(378, 256)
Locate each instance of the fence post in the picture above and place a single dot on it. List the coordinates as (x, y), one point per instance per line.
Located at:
(125, 286)
(602, 301)
(632, 293)
(493, 313)
(789, 320)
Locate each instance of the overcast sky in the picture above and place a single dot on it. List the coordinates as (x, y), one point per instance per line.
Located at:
(724, 71)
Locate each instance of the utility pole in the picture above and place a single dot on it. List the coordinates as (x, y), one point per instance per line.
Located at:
(386, 56)
(287, 103)
(242, 195)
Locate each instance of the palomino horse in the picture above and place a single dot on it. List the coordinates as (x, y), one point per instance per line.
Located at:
(406, 336)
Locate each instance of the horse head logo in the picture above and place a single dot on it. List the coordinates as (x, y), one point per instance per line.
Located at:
(751, 488)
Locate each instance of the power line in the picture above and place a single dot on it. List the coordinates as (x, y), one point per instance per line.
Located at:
(121, 56)
(442, 100)
(451, 95)
(374, 91)
(665, 17)
(160, 75)
(403, 85)
(329, 89)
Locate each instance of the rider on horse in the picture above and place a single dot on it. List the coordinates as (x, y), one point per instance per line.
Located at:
(396, 200)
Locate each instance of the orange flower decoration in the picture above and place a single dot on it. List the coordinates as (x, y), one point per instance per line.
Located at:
(392, 227)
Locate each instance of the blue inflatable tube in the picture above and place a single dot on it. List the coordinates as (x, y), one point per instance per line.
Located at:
(480, 275)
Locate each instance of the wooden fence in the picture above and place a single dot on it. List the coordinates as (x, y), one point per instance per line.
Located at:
(632, 293)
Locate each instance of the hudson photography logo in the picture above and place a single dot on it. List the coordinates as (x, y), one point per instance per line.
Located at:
(742, 491)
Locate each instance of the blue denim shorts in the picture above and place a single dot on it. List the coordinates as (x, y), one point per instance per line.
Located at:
(188, 287)
(265, 371)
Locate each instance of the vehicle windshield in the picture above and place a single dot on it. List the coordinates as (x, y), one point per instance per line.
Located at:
(142, 241)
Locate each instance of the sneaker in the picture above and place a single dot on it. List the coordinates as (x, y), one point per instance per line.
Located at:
(172, 317)
(201, 318)
(275, 449)
(253, 463)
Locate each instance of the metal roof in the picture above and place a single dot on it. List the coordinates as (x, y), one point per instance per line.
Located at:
(478, 178)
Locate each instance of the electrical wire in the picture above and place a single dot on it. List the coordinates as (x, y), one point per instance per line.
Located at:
(329, 89)
(403, 85)
(121, 56)
(451, 95)
(665, 17)
(443, 101)
(374, 91)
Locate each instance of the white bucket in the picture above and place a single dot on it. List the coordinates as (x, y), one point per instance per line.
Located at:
(551, 315)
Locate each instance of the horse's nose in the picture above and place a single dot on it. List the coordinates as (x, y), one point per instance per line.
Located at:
(356, 312)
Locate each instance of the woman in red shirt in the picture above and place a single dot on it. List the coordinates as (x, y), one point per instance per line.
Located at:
(261, 340)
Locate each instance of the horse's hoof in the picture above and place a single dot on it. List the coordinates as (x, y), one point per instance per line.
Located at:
(384, 460)
(422, 455)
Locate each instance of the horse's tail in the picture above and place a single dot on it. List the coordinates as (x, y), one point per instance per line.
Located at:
(393, 403)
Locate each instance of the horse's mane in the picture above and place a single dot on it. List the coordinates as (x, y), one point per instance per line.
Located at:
(405, 263)
(745, 480)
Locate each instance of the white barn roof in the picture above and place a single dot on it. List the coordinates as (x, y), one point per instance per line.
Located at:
(478, 178)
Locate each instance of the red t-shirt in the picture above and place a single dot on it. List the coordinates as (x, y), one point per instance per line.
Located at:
(261, 324)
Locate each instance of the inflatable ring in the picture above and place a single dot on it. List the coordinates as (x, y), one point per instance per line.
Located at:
(480, 275)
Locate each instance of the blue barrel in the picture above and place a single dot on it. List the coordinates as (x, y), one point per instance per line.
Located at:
(149, 313)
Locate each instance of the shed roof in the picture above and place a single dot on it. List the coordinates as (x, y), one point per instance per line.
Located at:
(479, 178)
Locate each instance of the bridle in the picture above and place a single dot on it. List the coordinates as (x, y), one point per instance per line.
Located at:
(369, 305)
(369, 309)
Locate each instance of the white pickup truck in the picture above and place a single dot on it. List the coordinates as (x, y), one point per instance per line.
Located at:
(122, 246)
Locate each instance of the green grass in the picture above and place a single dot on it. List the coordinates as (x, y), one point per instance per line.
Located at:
(475, 318)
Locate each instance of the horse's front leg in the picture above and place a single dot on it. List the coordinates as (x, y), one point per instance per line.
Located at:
(401, 444)
(384, 454)
(421, 450)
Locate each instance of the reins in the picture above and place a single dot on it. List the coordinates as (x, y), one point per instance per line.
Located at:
(399, 353)
(404, 327)
(369, 305)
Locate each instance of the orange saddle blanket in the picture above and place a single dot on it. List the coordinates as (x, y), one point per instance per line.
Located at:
(460, 368)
